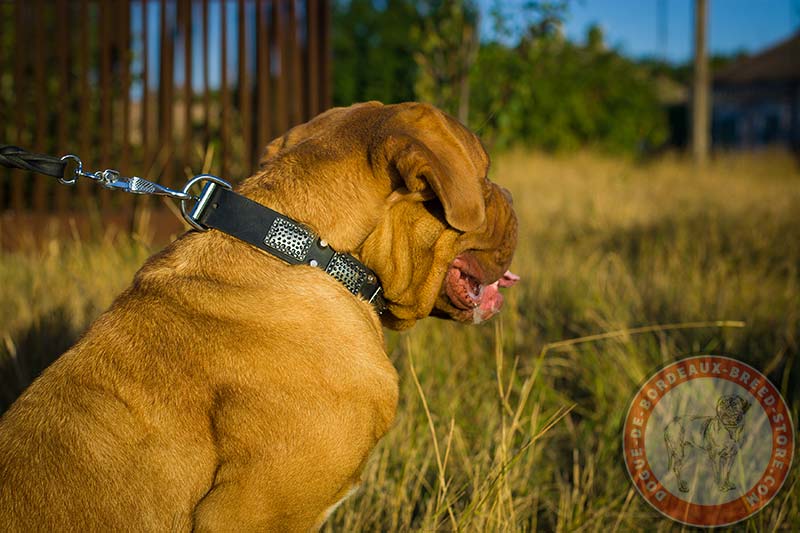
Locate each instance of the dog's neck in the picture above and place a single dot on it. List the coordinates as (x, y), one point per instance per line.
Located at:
(352, 218)
(289, 240)
(350, 212)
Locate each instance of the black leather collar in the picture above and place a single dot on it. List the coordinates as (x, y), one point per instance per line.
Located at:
(222, 209)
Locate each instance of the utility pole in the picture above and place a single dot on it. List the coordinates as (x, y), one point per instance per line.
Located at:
(661, 29)
(700, 90)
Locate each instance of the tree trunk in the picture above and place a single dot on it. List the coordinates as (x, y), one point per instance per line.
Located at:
(700, 90)
(468, 48)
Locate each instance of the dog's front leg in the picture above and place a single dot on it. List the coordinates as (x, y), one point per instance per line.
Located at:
(716, 465)
(674, 441)
(250, 503)
(727, 458)
(282, 465)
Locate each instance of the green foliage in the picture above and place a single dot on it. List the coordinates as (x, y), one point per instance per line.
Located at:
(682, 73)
(513, 19)
(373, 51)
(544, 91)
(448, 45)
(557, 95)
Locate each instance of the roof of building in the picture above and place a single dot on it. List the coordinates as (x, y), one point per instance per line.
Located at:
(779, 63)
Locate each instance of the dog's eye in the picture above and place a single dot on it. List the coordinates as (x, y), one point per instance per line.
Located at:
(434, 207)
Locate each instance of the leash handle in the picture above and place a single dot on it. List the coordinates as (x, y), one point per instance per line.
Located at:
(16, 157)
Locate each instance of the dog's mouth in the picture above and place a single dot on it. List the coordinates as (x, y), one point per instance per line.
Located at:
(468, 292)
(731, 419)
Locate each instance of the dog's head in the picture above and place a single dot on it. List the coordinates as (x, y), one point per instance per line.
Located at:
(404, 188)
(731, 409)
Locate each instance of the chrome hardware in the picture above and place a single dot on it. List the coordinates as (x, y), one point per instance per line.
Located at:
(202, 200)
(111, 179)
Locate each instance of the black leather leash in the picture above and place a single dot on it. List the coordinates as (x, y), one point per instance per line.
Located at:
(219, 207)
(15, 157)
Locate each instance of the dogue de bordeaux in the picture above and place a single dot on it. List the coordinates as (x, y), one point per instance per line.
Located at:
(226, 390)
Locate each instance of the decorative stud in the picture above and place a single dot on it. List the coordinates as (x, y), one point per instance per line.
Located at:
(323, 243)
(313, 263)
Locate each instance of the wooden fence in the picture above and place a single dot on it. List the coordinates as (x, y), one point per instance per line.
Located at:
(156, 88)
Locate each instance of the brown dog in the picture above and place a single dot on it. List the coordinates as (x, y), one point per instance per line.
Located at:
(227, 390)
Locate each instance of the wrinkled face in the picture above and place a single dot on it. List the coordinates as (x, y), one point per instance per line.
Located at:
(731, 410)
(471, 285)
(448, 255)
(403, 188)
(470, 289)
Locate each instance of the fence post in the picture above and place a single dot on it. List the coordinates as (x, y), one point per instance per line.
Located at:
(127, 110)
(245, 93)
(278, 32)
(264, 75)
(18, 177)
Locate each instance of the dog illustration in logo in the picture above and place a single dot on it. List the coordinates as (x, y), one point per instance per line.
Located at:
(719, 436)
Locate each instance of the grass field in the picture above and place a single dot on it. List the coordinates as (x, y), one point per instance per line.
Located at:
(503, 427)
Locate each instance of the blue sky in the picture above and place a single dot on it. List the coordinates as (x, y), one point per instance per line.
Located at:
(632, 25)
(629, 25)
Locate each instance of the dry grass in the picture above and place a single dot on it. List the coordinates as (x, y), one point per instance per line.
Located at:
(503, 427)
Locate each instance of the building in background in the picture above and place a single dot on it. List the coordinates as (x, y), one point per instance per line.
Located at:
(757, 99)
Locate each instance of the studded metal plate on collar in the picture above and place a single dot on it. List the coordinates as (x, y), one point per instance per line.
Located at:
(349, 273)
(289, 238)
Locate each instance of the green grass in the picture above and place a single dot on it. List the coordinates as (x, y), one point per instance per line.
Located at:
(500, 427)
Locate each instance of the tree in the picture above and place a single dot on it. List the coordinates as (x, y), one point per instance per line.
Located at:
(528, 86)
(554, 94)
(448, 48)
(373, 51)
(700, 86)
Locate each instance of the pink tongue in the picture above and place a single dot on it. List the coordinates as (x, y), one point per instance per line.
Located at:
(491, 299)
(508, 279)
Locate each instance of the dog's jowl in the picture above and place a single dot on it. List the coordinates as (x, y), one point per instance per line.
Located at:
(228, 390)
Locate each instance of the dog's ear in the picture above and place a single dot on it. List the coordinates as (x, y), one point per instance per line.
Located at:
(287, 140)
(299, 133)
(720, 403)
(443, 170)
(745, 404)
(330, 122)
(272, 148)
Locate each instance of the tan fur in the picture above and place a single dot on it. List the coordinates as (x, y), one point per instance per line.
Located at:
(225, 390)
